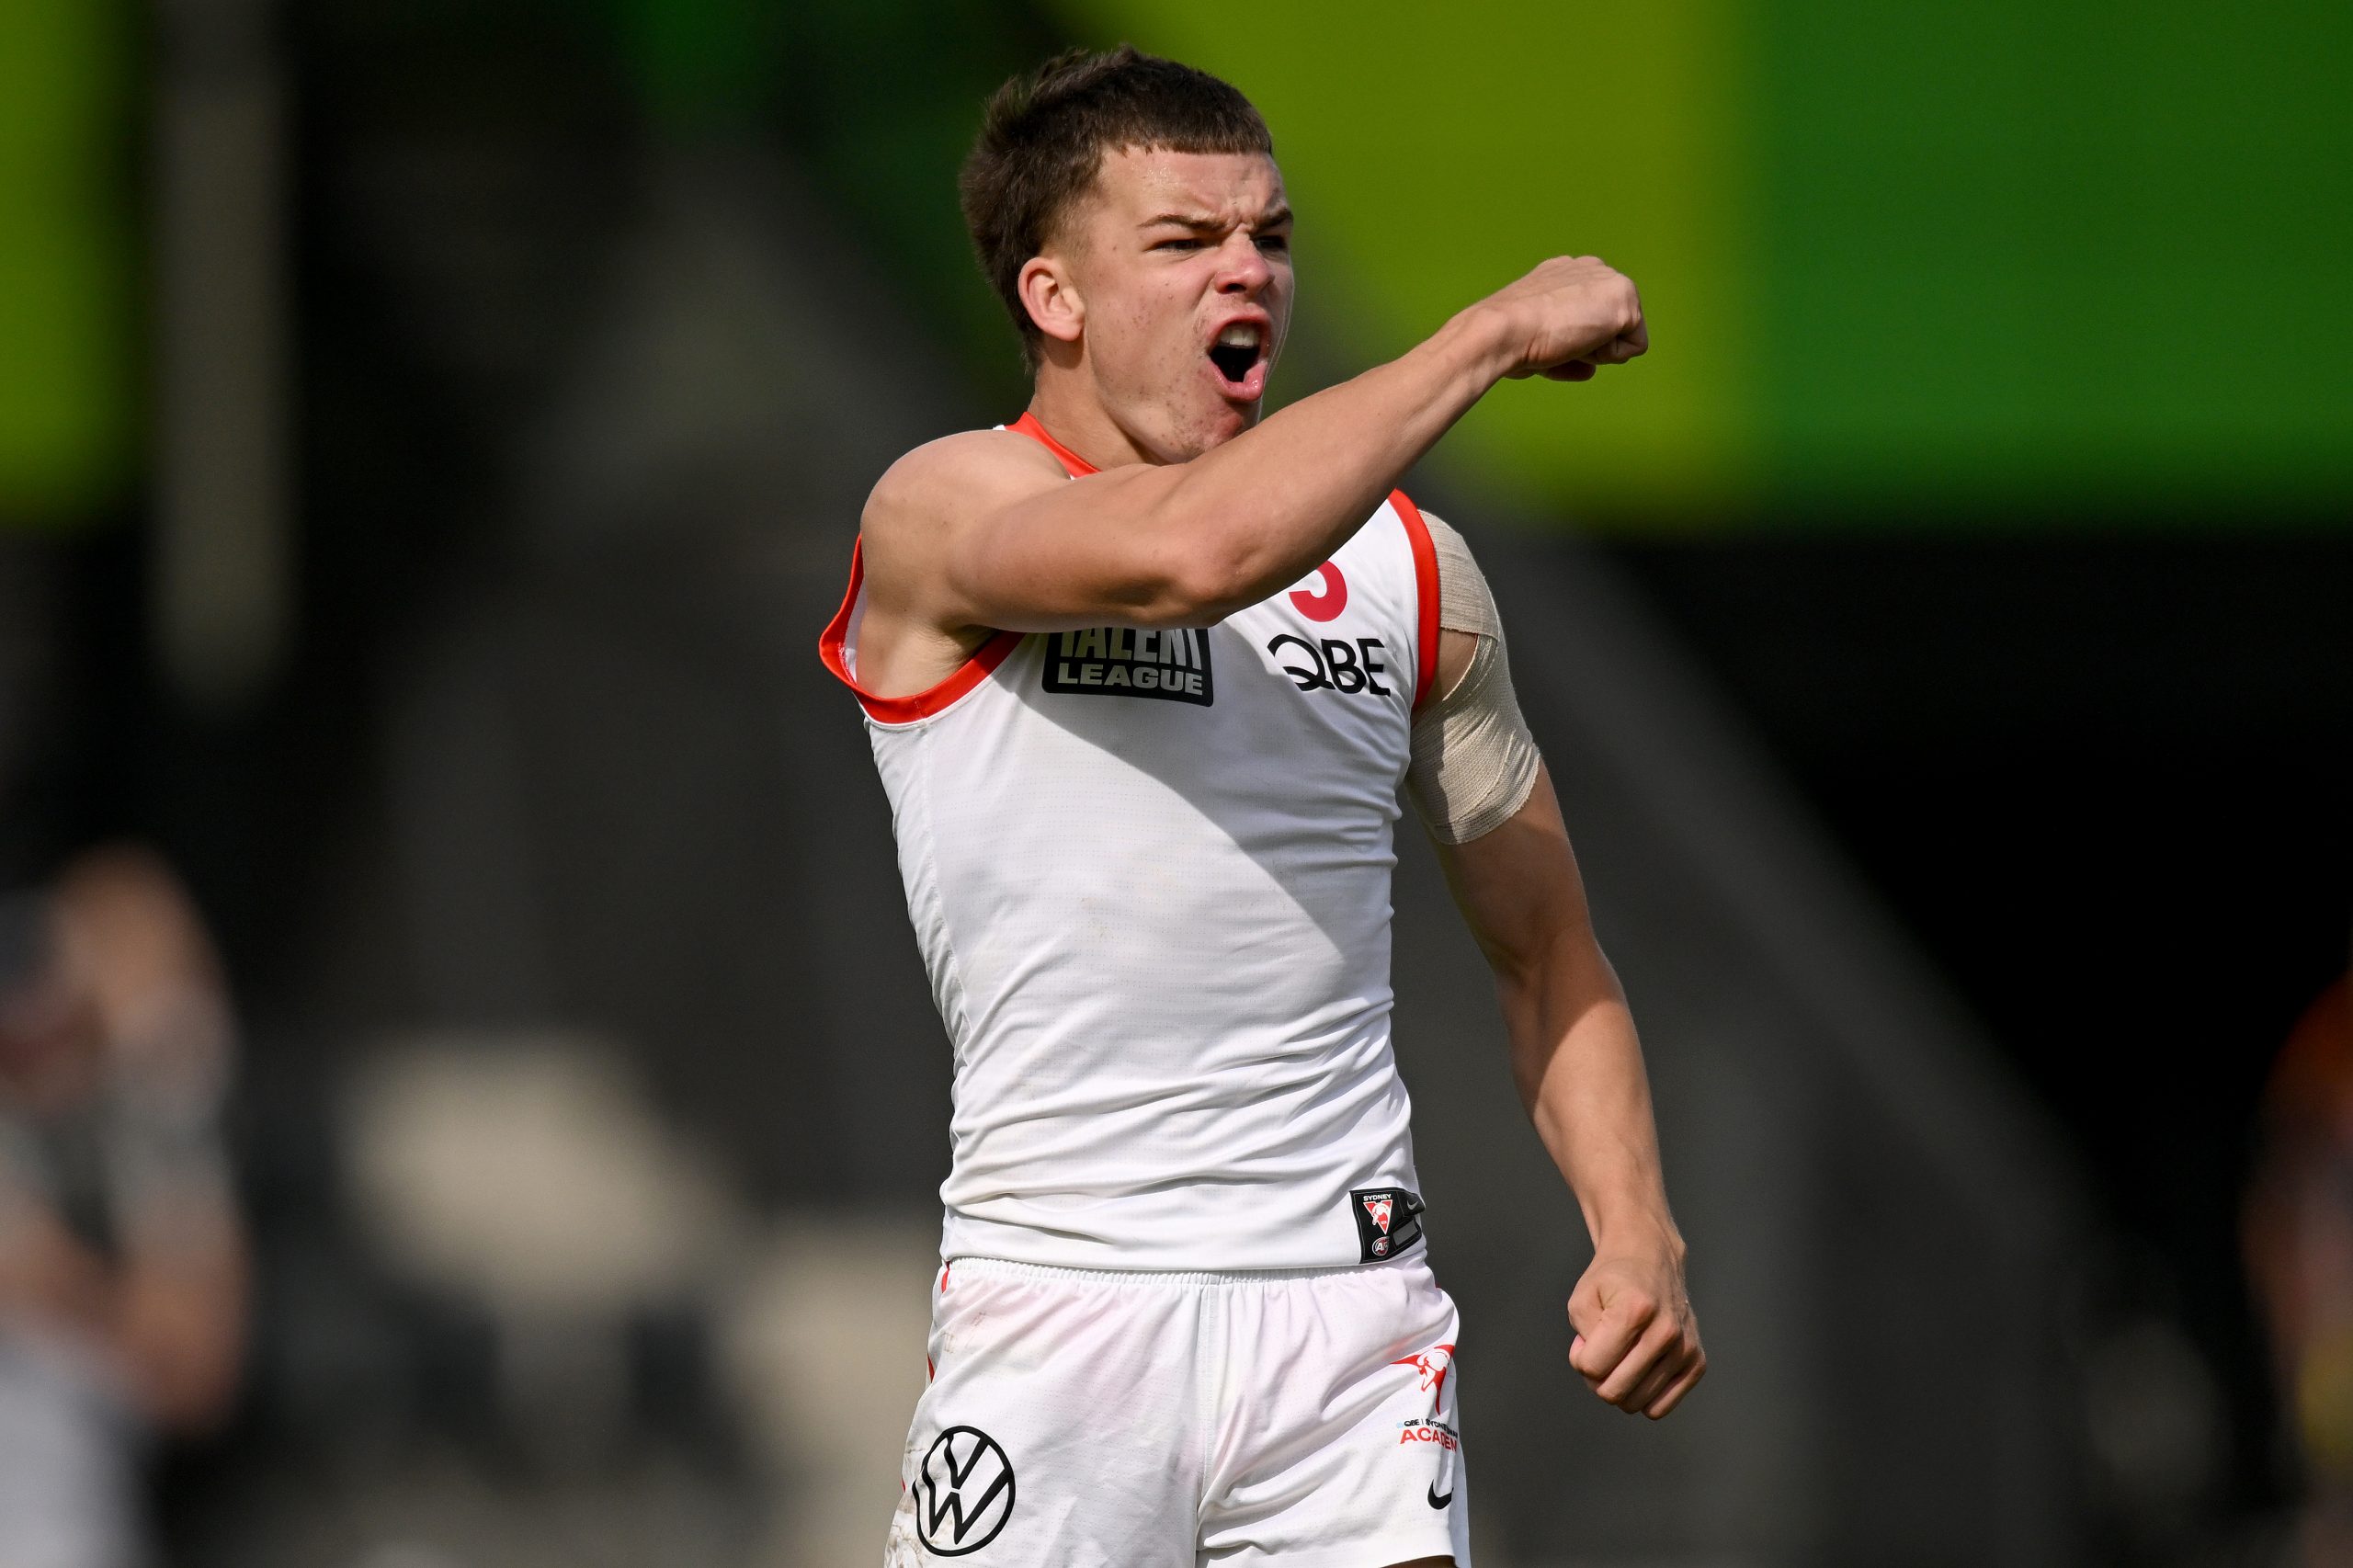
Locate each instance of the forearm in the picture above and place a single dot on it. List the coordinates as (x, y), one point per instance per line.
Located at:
(179, 1326)
(1191, 543)
(1281, 498)
(171, 1316)
(1266, 507)
(1578, 1066)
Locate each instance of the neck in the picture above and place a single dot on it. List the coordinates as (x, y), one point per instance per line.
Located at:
(1064, 401)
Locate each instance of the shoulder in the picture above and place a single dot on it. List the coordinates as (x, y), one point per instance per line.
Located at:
(1466, 610)
(971, 472)
(1465, 603)
(932, 504)
(1448, 543)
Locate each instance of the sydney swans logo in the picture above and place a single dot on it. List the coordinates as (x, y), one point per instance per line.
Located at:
(965, 1493)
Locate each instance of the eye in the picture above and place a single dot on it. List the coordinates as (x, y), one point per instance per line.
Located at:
(1186, 243)
(1279, 243)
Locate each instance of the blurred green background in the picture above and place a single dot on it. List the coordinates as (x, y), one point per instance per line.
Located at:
(432, 431)
(66, 318)
(1909, 265)
(2006, 259)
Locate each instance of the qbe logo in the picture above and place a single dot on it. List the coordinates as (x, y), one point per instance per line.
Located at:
(1332, 664)
(963, 1494)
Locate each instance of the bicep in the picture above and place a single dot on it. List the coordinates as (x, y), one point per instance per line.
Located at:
(1518, 886)
(1473, 760)
(986, 529)
(1090, 551)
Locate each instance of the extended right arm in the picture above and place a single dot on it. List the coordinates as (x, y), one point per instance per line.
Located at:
(975, 531)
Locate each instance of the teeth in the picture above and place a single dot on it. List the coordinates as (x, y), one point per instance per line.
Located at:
(1241, 335)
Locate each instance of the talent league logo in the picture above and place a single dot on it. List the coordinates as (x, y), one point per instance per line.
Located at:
(1388, 1218)
(1120, 661)
(966, 1486)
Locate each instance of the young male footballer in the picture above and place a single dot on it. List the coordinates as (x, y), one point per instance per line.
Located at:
(1143, 672)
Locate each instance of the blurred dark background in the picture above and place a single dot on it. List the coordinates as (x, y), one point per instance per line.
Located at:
(431, 437)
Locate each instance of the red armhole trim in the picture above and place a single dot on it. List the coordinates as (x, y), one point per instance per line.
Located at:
(1028, 425)
(1418, 534)
(833, 643)
(831, 648)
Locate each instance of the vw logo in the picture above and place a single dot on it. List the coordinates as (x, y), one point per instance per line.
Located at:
(964, 1492)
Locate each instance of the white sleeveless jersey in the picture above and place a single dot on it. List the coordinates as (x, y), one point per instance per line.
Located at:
(1150, 873)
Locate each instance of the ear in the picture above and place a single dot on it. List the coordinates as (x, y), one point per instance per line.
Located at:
(1051, 295)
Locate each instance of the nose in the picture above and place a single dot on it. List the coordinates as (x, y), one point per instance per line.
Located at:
(1242, 266)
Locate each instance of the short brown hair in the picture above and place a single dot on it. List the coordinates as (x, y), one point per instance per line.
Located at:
(1045, 134)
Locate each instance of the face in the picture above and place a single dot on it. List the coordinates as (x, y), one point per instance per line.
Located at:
(1168, 292)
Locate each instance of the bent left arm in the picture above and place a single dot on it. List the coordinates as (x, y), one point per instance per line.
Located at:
(1487, 799)
(1578, 1066)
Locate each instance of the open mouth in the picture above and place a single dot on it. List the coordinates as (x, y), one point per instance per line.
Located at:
(1237, 353)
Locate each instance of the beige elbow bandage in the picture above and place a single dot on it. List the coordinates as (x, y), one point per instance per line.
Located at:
(1473, 761)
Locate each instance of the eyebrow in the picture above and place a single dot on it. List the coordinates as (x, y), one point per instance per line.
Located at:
(1274, 220)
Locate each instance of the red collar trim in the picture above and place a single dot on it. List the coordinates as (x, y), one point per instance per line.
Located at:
(1028, 425)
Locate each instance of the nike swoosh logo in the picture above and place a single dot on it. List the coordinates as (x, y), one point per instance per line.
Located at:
(1436, 1501)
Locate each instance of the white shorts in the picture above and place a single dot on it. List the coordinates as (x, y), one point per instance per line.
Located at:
(1078, 1419)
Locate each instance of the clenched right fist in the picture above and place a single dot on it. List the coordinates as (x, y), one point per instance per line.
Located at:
(1568, 317)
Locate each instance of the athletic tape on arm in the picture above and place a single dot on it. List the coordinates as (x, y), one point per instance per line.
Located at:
(1473, 761)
